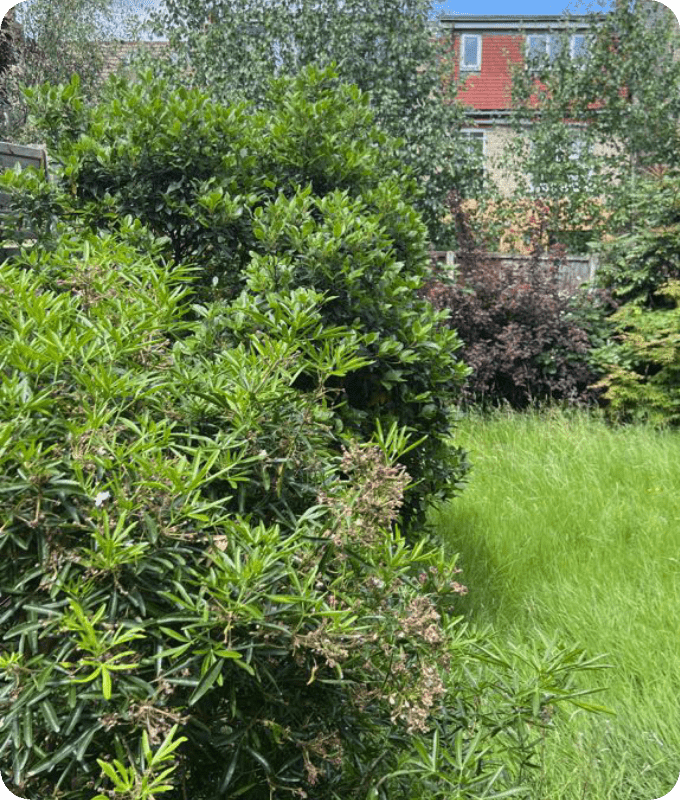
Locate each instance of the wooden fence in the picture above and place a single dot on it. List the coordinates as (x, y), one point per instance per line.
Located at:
(573, 270)
(10, 156)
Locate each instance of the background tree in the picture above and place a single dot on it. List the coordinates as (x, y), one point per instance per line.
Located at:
(600, 122)
(603, 153)
(388, 48)
(47, 41)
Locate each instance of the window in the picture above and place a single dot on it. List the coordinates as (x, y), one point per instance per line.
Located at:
(545, 47)
(542, 47)
(474, 139)
(475, 148)
(470, 52)
(579, 46)
(561, 164)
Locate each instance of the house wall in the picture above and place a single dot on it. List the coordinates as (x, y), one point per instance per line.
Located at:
(487, 92)
(520, 230)
(497, 138)
(117, 55)
(490, 87)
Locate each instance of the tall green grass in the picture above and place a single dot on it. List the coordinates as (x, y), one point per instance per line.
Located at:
(571, 529)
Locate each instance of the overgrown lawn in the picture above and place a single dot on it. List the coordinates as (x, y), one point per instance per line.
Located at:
(570, 529)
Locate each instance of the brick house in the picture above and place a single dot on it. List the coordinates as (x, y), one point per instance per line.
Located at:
(485, 49)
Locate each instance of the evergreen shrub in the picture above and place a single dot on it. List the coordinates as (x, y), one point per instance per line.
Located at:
(302, 194)
(641, 268)
(202, 595)
(642, 362)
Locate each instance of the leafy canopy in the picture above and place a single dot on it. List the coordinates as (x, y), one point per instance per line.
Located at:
(304, 192)
(590, 127)
(56, 39)
(387, 48)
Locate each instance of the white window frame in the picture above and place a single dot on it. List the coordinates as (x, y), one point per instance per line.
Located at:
(476, 133)
(549, 40)
(578, 147)
(476, 67)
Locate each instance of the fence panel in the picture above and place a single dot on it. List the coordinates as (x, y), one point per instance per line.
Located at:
(11, 155)
(573, 270)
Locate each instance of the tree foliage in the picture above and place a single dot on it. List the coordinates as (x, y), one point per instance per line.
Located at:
(388, 48)
(637, 263)
(589, 127)
(48, 41)
(641, 269)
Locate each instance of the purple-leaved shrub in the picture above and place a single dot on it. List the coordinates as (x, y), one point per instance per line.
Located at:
(521, 336)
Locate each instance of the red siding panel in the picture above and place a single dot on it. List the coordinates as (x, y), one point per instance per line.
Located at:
(489, 89)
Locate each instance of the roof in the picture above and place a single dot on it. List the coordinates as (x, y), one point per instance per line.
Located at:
(488, 22)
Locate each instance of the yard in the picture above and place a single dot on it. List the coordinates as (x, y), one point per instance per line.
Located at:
(569, 530)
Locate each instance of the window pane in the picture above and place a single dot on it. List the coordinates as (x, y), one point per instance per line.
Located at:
(472, 161)
(579, 47)
(555, 45)
(537, 46)
(474, 141)
(470, 52)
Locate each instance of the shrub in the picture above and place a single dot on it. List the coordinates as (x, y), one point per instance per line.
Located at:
(521, 337)
(202, 597)
(642, 271)
(638, 263)
(305, 194)
(643, 363)
(194, 170)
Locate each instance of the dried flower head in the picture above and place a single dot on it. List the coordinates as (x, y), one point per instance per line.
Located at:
(367, 503)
